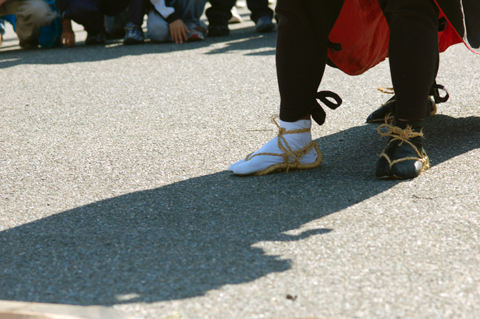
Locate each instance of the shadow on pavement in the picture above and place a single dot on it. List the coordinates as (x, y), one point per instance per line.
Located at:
(241, 39)
(185, 239)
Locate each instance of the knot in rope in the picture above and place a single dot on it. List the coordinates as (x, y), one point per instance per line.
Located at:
(290, 156)
(397, 133)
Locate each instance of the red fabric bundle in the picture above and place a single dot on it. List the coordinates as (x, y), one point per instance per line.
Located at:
(363, 32)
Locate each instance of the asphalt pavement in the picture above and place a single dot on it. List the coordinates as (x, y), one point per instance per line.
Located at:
(115, 192)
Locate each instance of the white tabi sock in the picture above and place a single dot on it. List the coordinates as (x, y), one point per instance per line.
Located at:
(296, 142)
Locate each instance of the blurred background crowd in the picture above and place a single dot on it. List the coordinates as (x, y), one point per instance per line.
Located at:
(48, 23)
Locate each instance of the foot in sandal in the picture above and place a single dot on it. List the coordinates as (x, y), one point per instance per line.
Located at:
(292, 148)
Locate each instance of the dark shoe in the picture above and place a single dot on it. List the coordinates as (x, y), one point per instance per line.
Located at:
(93, 39)
(29, 44)
(434, 98)
(218, 30)
(133, 34)
(387, 111)
(404, 156)
(115, 34)
(264, 24)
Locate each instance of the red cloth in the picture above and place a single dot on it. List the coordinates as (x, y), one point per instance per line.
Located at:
(363, 32)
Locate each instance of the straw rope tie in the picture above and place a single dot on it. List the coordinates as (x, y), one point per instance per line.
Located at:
(398, 134)
(290, 156)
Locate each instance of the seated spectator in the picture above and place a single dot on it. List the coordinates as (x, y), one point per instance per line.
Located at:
(31, 15)
(115, 25)
(220, 13)
(3, 29)
(176, 21)
(90, 14)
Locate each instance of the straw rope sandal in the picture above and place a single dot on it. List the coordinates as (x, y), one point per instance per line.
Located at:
(404, 156)
(291, 158)
(434, 98)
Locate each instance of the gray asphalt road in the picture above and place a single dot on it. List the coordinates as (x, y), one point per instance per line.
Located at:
(114, 189)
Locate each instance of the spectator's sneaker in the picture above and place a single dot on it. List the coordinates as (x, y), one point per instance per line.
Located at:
(93, 39)
(218, 30)
(133, 34)
(264, 24)
(202, 27)
(241, 4)
(29, 44)
(195, 34)
(236, 18)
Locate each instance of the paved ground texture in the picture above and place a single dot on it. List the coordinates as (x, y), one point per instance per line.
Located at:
(114, 190)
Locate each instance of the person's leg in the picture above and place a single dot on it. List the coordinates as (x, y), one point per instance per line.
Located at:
(115, 25)
(157, 27)
(112, 7)
(136, 11)
(301, 55)
(413, 53)
(414, 59)
(259, 8)
(190, 11)
(3, 29)
(133, 29)
(302, 44)
(87, 14)
(262, 15)
(31, 16)
(218, 15)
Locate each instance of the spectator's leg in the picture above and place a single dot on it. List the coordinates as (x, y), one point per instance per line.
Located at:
(157, 27)
(86, 13)
(115, 26)
(133, 29)
(3, 29)
(190, 11)
(136, 11)
(218, 15)
(31, 16)
(259, 8)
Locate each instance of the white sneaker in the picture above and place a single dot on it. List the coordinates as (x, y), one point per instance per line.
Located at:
(236, 18)
(241, 4)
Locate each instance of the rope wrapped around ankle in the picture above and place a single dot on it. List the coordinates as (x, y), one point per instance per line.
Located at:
(403, 135)
(291, 157)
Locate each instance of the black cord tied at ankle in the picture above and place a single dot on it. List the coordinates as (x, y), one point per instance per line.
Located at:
(324, 95)
(317, 112)
(435, 92)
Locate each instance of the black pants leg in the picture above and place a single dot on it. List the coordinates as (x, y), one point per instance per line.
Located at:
(413, 53)
(136, 11)
(220, 12)
(259, 8)
(302, 44)
(86, 13)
